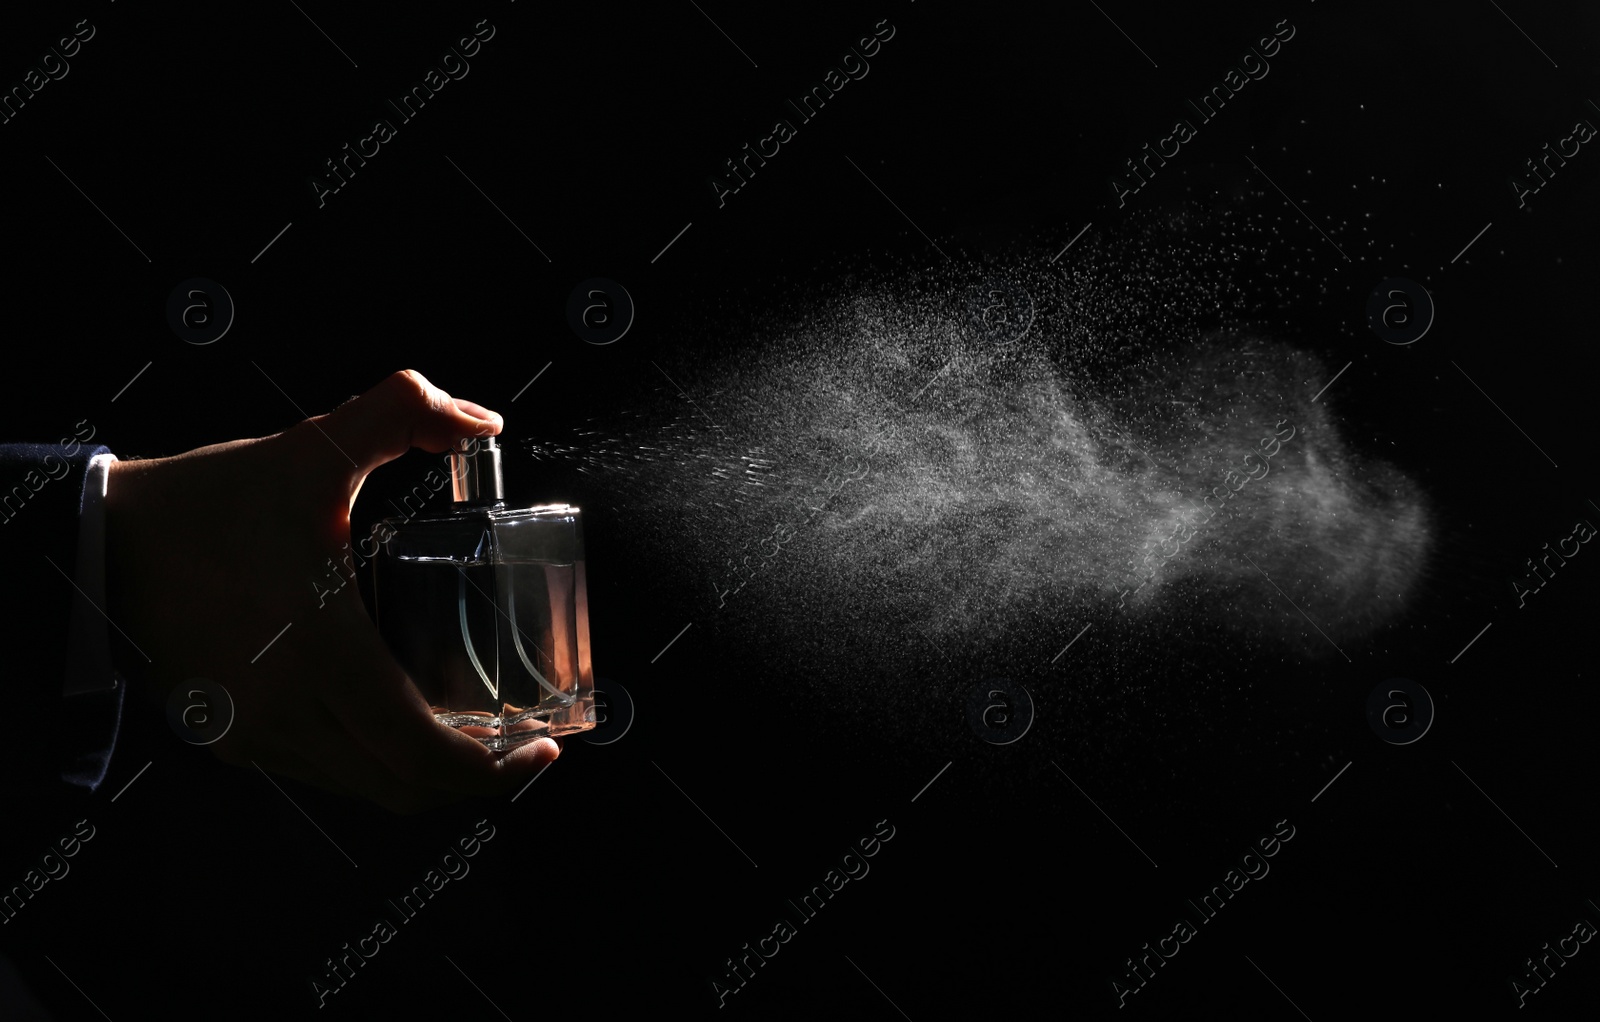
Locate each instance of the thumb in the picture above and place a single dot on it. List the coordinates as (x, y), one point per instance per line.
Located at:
(402, 412)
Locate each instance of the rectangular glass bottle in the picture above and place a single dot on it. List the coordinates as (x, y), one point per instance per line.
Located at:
(486, 607)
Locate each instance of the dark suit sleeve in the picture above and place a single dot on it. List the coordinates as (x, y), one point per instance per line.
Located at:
(55, 745)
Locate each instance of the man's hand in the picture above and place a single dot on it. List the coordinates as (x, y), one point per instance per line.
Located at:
(209, 554)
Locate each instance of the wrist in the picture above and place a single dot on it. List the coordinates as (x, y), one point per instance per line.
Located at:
(125, 482)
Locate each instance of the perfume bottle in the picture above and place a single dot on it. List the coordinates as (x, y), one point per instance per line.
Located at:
(487, 609)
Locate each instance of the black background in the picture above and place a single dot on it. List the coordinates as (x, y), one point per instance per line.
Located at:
(606, 892)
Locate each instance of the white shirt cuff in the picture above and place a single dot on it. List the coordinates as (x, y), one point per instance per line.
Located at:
(88, 643)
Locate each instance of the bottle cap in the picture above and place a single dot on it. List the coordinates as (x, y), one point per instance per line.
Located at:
(475, 471)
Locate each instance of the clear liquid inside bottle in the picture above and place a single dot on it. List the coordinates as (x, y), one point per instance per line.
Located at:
(488, 614)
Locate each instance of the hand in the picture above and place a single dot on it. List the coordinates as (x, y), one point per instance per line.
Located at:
(209, 554)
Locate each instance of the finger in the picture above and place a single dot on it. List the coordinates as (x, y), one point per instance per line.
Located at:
(327, 747)
(402, 412)
(531, 757)
(478, 411)
(281, 762)
(321, 757)
(378, 704)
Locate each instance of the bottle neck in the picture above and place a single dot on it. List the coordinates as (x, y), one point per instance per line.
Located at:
(475, 477)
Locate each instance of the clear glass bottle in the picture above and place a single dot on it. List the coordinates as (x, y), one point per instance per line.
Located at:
(486, 607)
